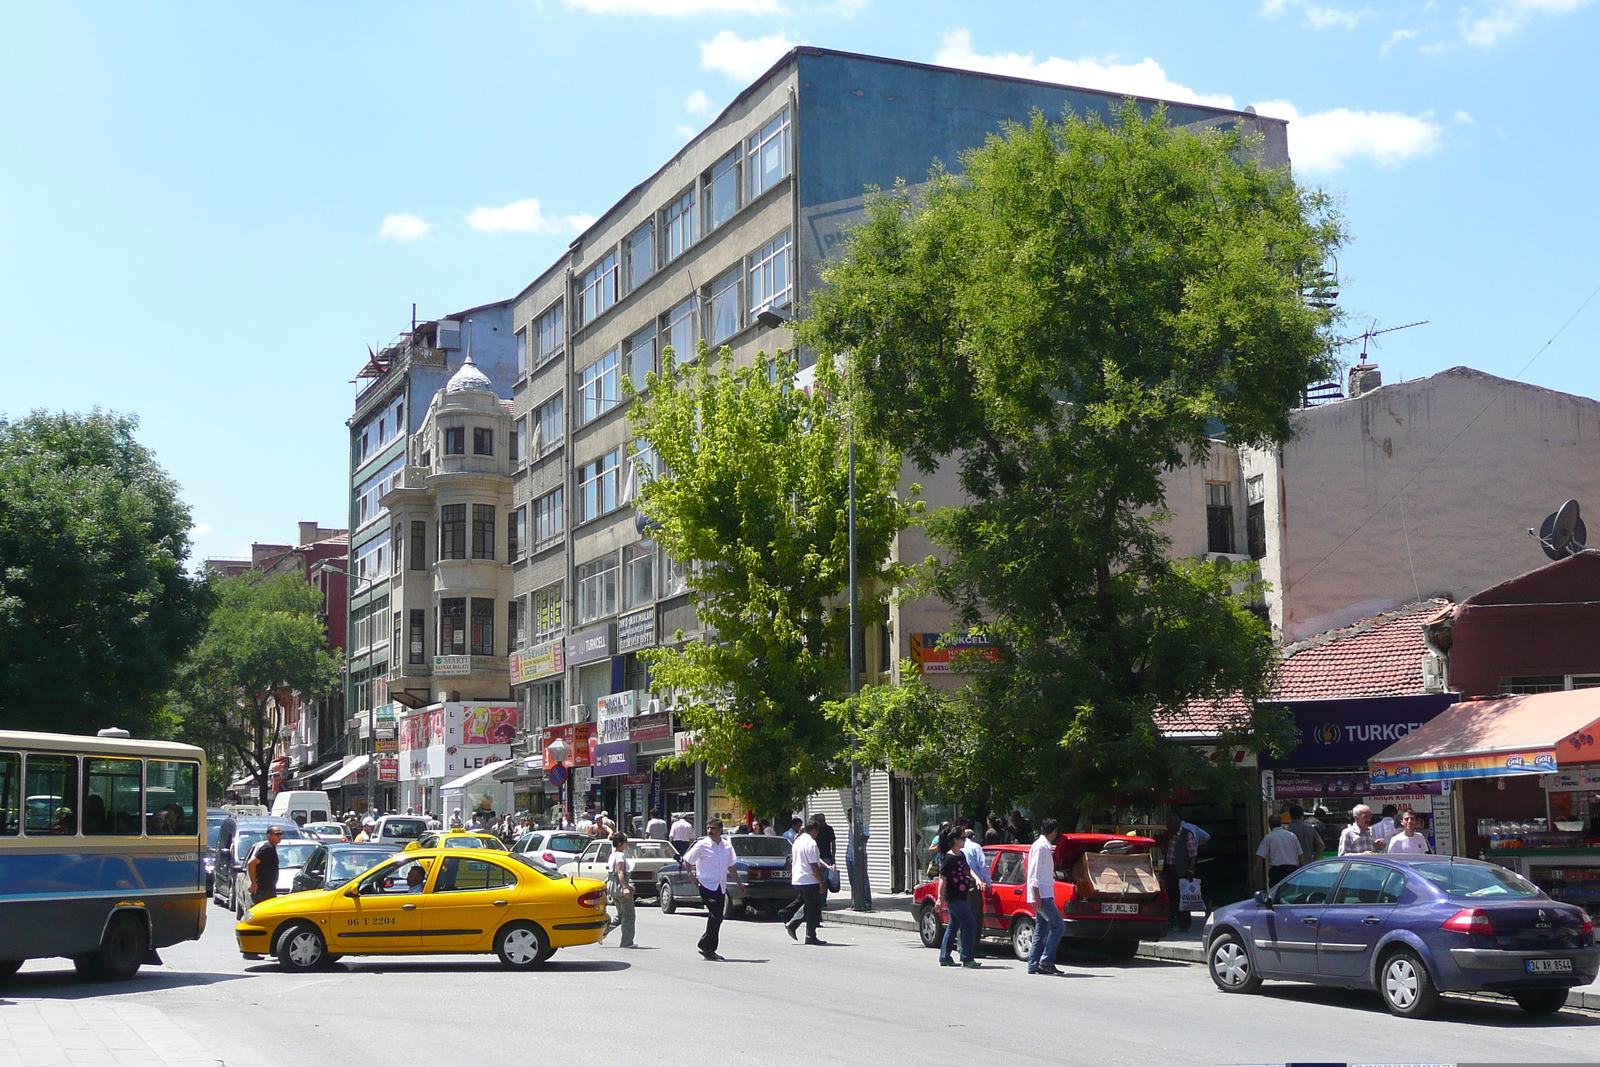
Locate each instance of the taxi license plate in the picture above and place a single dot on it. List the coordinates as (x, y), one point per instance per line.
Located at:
(1129, 909)
(1549, 966)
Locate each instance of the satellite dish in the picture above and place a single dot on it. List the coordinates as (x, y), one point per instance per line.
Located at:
(1562, 533)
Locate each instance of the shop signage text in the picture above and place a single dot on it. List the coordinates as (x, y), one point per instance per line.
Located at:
(388, 769)
(637, 630)
(1347, 733)
(538, 661)
(944, 653)
(647, 728)
(610, 748)
(590, 645)
(576, 735)
(446, 666)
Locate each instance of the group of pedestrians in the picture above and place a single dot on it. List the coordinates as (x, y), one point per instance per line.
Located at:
(963, 876)
(1292, 842)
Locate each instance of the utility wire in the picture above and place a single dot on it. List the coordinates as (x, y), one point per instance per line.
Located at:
(1448, 445)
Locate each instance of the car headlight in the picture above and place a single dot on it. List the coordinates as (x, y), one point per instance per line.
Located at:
(210, 864)
(249, 916)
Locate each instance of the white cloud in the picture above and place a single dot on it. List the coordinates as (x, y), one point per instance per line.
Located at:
(201, 529)
(1144, 78)
(1326, 140)
(403, 227)
(1397, 37)
(524, 216)
(740, 59)
(1317, 16)
(1465, 119)
(1503, 17)
(683, 131)
(698, 103)
(678, 8)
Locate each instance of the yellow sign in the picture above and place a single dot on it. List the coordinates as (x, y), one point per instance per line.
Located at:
(540, 661)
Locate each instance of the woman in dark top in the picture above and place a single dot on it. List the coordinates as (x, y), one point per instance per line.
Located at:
(996, 833)
(955, 879)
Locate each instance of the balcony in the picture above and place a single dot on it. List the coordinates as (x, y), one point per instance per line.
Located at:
(395, 358)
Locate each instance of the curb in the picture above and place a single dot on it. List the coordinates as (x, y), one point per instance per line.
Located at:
(896, 919)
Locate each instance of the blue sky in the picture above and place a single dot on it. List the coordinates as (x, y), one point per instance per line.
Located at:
(209, 211)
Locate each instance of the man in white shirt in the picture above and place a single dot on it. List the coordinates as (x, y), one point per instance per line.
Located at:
(807, 873)
(972, 852)
(709, 862)
(1410, 838)
(682, 833)
(1048, 925)
(1280, 852)
(656, 828)
(1388, 824)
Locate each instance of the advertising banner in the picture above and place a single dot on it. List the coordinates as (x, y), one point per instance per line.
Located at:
(384, 713)
(1389, 775)
(590, 645)
(576, 735)
(447, 740)
(446, 666)
(1347, 733)
(610, 750)
(388, 769)
(637, 630)
(488, 724)
(943, 653)
(538, 661)
(647, 728)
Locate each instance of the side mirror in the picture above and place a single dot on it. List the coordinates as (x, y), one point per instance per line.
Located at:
(1263, 899)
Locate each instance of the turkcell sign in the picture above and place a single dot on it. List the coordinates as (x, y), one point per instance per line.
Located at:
(1347, 733)
(587, 646)
(610, 747)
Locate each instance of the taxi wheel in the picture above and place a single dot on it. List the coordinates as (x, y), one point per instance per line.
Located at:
(301, 948)
(522, 946)
(1022, 937)
(669, 902)
(1406, 986)
(1230, 967)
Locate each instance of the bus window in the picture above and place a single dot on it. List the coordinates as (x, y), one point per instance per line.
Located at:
(172, 798)
(50, 794)
(111, 801)
(10, 794)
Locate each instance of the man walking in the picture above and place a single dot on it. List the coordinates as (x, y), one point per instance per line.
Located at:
(1048, 925)
(978, 865)
(682, 833)
(263, 867)
(1179, 867)
(1311, 843)
(656, 828)
(1280, 852)
(709, 862)
(826, 840)
(619, 887)
(808, 875)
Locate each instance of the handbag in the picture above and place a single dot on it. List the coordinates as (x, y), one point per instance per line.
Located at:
(1189, 898)
(833, 880)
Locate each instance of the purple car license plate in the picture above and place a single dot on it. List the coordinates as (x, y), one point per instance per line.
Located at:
(1548, 966)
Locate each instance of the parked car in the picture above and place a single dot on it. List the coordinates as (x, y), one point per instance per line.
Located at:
(235, 838)
(1409, 927)
(332, 865)
(1109, 925)
(763, 883)
(648, 856)
(327, 831)
(457, 839)
(399, 829)
(554, 847)
(214, 819)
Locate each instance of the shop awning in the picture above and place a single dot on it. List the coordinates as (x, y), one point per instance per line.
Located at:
(458, 785)
(324, 769)
(343, 775)
(1530, 734)
(242, 782)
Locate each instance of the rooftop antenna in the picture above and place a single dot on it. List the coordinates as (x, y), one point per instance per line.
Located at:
(1562, 533)
(1367, 337)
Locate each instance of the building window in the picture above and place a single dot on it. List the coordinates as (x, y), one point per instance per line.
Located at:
(1219, 517)
(516, 534)
(722, 191)
(768, 159)
(769, 276)
(455, 440)
(638, 575)
(519, 441)
(419, 545)
(482, 627)
(370, 558)
(483, 531)
(548, 707)
(677, 227)
(640, 254)
(639, 358)
(522, 352)
(416, 639)
(549, 423)
(598, 390)
(453, 531)
(482, 441)
(597, 486)
(453, 627)
(396, 539)
(677, 333)
(723, 309)
(516, 623)
(370, 492)
(1255, 517)
(549, 335)
(1547, 683)
(549, 520)
(547, 614)
(643, 465)
(674, 576)
(597, 589)
(597, 289)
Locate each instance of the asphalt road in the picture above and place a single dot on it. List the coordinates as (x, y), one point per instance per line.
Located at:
(870, 997)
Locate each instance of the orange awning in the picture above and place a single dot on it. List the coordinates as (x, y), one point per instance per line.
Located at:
(1530, 734)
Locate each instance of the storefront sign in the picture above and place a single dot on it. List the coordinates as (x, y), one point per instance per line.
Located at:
(1576, 780)
(945, 653)
(447, 740)
(539, 661)
(576, 735)
(446, 666)
(1289, 786)
(610, 750)
(1456, 768)
(590, 645)
(383, 744)
(647, 728)
(681, 742)
(384, 713)
(1347, 733)
(640, 779)
(637, 630)
(388, 769)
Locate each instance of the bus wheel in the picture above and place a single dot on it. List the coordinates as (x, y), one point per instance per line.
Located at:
(121, 950)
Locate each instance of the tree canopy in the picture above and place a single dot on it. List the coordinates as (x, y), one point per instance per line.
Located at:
(752, 500)
(1084, 309)
(96, 612)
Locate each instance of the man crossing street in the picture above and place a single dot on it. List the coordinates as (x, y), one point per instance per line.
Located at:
(808, 875)
(709, 862)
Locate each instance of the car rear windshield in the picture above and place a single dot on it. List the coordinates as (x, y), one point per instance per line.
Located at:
(295, 855)
(1477, 882)
(652, 850)
(404, 828)
(759, 845)
(567, 843)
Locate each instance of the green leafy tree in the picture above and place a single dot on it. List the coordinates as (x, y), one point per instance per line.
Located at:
(1080, 312)
(96, 612)
(265, 642)
(755, 505)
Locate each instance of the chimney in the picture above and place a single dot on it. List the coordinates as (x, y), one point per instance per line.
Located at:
(1364, 378)
(308, 533)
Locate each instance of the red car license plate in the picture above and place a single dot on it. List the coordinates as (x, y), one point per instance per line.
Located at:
(1548, 966)
(1127, 909)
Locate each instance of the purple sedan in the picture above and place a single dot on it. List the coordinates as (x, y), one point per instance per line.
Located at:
(1409, 927)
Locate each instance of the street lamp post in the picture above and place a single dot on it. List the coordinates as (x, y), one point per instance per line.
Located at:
(559, 750)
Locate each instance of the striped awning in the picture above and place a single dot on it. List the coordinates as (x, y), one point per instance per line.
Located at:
(1534, 733)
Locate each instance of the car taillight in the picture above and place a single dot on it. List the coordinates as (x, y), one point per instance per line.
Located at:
(1588, 924)
(591, 899)
(549, 857)
(1469, 921)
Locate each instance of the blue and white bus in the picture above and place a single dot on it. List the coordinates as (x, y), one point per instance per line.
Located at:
(101, 847)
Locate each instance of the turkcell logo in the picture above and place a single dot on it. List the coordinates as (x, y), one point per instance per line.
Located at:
(1330, 733)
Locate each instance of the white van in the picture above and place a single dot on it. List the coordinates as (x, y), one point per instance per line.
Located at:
(303, 805)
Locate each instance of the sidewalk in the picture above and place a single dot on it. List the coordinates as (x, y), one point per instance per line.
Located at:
(69, 1033)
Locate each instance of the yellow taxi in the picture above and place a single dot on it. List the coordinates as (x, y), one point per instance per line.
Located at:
(431, 901)
(457, 839)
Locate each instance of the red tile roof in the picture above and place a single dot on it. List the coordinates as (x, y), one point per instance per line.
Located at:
(1376, 657)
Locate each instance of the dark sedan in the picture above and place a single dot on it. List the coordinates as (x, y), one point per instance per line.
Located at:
(332, 865)
(1409, 927)
(763, 883)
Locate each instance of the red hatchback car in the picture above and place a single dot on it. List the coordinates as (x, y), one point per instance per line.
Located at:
(1114, 927)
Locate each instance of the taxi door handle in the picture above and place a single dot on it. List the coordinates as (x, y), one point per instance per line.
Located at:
(501, 903)
(408, 907)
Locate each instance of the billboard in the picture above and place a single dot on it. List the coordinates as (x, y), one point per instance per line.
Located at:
(943, 653)
(610, 750)
(447, 740)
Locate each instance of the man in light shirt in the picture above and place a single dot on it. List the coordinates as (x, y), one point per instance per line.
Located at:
(710, 866)
(1048, 925)
(1388, 823)
(1357, 838)
(682, 833)
(979, 865)
(1410, 838)
(807, 874)
(656, 828)
(1280, 852)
